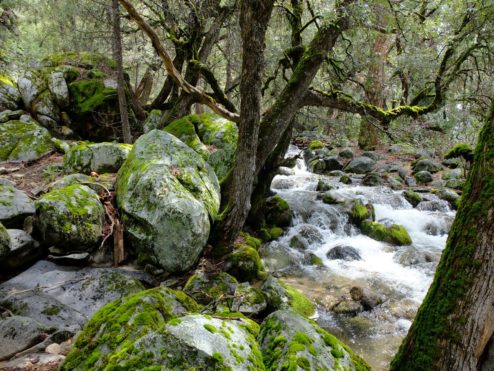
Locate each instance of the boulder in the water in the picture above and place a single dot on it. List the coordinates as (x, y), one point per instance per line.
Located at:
(361, 165)
(412, 197)
(277, 212)
(342, 252)
(394, 234)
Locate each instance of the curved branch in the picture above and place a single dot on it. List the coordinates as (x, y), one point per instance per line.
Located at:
(172, 71)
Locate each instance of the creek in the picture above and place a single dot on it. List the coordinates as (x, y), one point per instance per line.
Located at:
(394, 279)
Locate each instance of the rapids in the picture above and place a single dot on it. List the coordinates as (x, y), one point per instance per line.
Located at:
(395, 277)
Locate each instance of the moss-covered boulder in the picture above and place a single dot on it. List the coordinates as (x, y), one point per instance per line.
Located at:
(110, 336)
(361, 165)
(280, 295)
(426, 165)
(167, 193)
(210, 135)
(423, 176)
(86, 60)
(70, 218)
(152, 121)
(291, 342)
(9, 95)
(277, 212)
(99, 157)
(412, 197)
(206, 288)
(25, 141)
(96, 184)
(248, 300)
(463, 150)
(394, 234)
(244, 263)
(15, 205)
(360, 212)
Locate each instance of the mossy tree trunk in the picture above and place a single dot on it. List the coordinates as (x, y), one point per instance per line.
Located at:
(455, 324)
(254, 18)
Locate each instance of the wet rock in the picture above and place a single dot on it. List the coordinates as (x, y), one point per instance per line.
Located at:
(71, 218)
(277, 212)
(311, 234)
(433, 205)
(426, 165)
(412, 197)
(206, 288)
(345, 179)
(323, 186)
(413, 256)
(346, 153)
(337, 173)
(394, 234)
(248, 300)
(23, 249)
(372, 180)
(342, 252)
(98, 157)
(331, 198)
(152, 121)
(332, 163)
(448, 195)
(423, 177)
(18, 333)
(291, 340)
(361, 165)
(15, 205)
(368, 299)
(24, 141)
(166, 194)
(65, 297)
(282, 183)
(348, 307)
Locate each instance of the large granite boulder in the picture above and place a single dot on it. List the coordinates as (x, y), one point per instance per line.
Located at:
(70, 218)
(65, 298)
(210, 135)
(99, 157)
(25, 141)
(15, 205)
(361, 165)
(167, 193)
(9, 94)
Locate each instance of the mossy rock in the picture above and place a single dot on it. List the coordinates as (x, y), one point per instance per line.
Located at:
(394, 234)
(250, 240)
(70, 218)
(114, 329)
(24, 141)
(423, 176)
(210, 135)
(10, 98)
(277, 212)
(206, 288)
(316, 144)
(244, 263)
(4, 242)
(291, 342)
(413, 197)
(152, 121)
(360, 212)
(96, 185)
(248, 300)
(15, 205)
(426, 165)
(463, 150)
(270, 234)
(167, 194)
(84, 60)
(98, 157)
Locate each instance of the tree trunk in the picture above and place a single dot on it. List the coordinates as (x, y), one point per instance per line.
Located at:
(117, 50)
(455, 323)
(254, 18)
(368, 137)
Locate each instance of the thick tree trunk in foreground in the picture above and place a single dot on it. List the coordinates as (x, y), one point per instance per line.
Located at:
(254, 18)
(117, 49)
(455, 323)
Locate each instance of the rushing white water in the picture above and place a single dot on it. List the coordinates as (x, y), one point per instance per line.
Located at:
(399, 275)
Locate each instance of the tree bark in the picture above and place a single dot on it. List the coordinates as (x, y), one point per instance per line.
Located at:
(455, 322)
(254, 18)
(117, 50)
